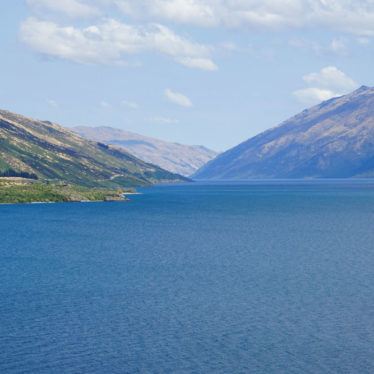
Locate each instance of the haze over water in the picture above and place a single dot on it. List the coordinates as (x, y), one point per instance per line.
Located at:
(239, 277)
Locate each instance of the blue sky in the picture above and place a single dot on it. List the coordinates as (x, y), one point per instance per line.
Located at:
(208, 72)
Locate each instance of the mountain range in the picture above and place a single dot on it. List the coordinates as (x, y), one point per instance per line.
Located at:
(177, 158)
(43, 150)
(334, 139)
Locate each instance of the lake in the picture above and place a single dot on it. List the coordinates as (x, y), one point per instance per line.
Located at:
(226, 277)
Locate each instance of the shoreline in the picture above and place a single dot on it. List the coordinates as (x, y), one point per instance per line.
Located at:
(66, 202)
(47, 193)
(119, 200)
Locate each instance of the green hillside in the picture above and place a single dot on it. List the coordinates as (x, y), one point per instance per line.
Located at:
(45, 151)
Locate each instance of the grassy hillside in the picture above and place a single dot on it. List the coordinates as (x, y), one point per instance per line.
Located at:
(45, 151)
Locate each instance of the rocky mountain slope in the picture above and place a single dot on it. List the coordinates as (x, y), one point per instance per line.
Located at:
(43, 150)
(334, 139)
(177, 158)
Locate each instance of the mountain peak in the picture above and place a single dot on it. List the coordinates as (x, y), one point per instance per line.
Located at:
(363, 89)
(334, 139)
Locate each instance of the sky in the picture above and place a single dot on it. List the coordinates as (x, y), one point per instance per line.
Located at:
(207, 72)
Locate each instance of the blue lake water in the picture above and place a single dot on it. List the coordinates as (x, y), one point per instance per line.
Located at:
(260, 277)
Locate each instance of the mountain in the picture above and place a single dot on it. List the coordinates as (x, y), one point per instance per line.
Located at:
(177, 158)
(334, 139)
(44, 150)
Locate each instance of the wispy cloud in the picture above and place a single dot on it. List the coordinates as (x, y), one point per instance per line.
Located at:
(325, 84)
(337, 46)
(104, 104)
(198, 63)
(194, 12)
(109, 41)
(350, 16)
(231, 47)
(164, 120)
(72, 8)
(363, 41)
(129, 104)
(52, 103)
(177, 98)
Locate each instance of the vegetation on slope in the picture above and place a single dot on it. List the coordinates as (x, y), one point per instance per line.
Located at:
(18, 190)
(48, 152)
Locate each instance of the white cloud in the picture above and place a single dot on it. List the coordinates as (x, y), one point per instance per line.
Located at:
(104, 104)
(193, 12)
(308, 45)
(52, 103)
(331, 77)
(106, 43)
(164, 120)
(339, 46)
(351, 16)
(72, 8)
(208, 13)
(178, 98)
(363, 41)
(198, 63)
(336, 46)
(129, 104)
(185, 11)
(313, 95)
(325, 84)
(230, 46)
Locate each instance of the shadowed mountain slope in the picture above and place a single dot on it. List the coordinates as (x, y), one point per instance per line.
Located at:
(177, 158)
(44, 150)
(334, 139)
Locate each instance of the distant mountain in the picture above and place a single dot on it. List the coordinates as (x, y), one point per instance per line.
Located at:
(44, 150)
(334, 139)
(177, 158)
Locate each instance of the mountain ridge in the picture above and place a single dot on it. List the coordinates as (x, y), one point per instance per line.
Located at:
(332, 139)
(47, 151)
(175, 157)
